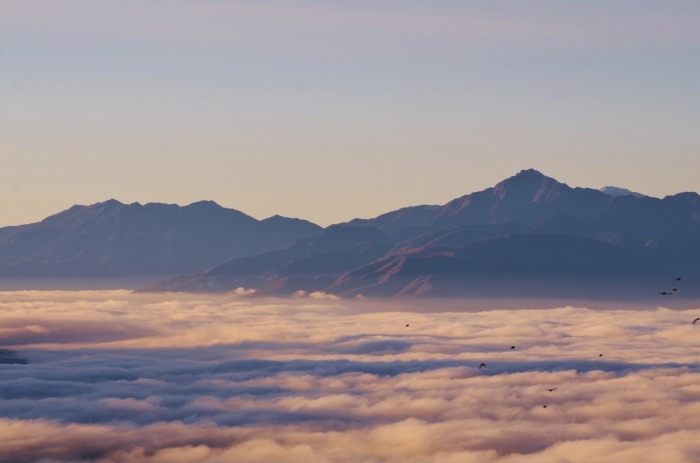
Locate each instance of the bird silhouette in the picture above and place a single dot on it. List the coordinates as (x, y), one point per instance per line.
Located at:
(512, 347)
(678, 279)
(675, 289)
(483, 365)
(552, 389)
(544, 406)
(696, 320)
(664, 293)
(407, 325)
(600, 355)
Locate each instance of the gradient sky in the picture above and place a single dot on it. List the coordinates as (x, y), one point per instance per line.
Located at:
(330, 110)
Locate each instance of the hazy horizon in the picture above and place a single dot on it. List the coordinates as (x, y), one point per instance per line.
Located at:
(329, 111)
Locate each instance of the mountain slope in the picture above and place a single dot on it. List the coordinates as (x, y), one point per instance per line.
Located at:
(505, 266)
(394, 221)
(338, 249)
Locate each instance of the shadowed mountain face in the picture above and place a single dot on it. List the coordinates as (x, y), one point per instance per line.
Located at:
(533, 265)
(337, 250)
(114, 239)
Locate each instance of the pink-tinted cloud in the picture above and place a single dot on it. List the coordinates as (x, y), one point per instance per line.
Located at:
(219, 379)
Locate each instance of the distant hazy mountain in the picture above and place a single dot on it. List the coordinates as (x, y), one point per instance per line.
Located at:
(527, 235)
(112, 239)
(617, 191)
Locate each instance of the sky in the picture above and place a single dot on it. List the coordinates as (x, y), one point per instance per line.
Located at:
(114, 377)
(330, 110)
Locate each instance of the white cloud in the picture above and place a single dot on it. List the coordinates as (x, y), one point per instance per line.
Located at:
(240, 291)
(320, 295)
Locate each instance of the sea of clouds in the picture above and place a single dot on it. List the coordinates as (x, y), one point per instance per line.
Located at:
(114, 377)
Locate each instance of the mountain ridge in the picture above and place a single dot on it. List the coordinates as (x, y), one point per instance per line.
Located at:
(111, 238)
(642, 232)
(526, 228)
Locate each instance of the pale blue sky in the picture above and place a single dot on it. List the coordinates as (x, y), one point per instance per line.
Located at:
(330, 110)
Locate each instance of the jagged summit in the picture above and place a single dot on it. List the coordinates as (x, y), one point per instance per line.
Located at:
(110, 203)
(528, 185)
(527, 177)
(529, 173)
(528, 197)
(524, 187)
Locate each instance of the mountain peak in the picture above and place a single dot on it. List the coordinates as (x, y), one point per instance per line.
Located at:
(206, 203)
(527, 176)
(530, 173)
(110, 203)
(529, 197)
(526, 184)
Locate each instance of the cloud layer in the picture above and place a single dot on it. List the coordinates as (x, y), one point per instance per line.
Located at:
(114, 377)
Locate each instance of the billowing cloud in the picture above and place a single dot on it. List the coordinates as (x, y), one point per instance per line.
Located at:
(321, 295)
(114, 377)
(241, 291)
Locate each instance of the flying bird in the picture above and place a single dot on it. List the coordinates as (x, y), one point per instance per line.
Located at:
(600, 355)
(483, 365)
(544, 406)
(696, 320)
(512, 347)
(552, 389)
(407, 325)
(664, 293)
(678, 279)
(675, 289)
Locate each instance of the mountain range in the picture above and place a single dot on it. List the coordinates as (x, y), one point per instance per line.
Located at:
(528, 235)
